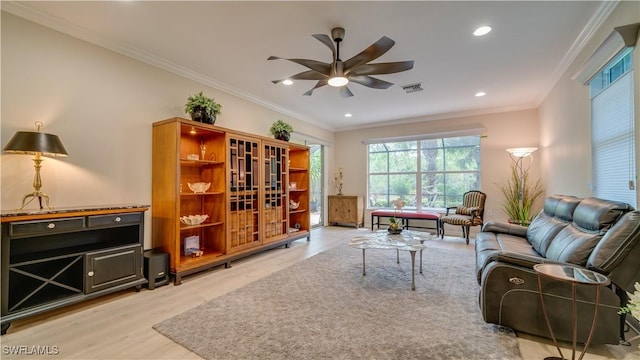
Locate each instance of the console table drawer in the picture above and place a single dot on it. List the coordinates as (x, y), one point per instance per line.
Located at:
(26, 228)
(113, 219)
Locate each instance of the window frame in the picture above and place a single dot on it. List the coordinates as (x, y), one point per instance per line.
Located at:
(445, 170)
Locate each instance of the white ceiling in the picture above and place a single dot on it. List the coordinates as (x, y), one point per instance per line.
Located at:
(226, 45)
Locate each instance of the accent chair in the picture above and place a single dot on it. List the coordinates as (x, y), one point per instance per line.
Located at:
(470, 213)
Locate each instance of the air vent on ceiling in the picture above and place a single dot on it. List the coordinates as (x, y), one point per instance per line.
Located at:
(411, 88)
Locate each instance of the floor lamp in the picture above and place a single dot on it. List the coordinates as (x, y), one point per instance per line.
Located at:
(37, 144)
(518, 156)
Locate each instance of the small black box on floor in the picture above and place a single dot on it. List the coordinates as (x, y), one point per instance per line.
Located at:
(156, 268)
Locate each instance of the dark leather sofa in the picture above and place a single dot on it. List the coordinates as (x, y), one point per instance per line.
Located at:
(599, 235)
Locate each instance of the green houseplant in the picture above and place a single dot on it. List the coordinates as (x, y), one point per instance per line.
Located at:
(281, 130)
(520, 196)
(202, 108)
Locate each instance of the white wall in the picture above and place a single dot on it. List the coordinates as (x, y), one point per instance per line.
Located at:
(503, 130)
(565, 116)
(102, 105)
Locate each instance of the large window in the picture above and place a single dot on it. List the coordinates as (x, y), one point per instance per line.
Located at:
(427, 173)
(612, 131)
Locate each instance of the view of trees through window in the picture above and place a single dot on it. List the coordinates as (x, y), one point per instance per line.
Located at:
(430, 173)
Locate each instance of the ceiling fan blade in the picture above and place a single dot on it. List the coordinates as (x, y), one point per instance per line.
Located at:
(371, 82)
(345, 92)
(382, 68)
(373, 52)
(325, 39)
(314, 65)
(320, 83)
(307, 75)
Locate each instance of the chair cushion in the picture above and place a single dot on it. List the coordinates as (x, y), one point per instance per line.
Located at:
(457, 219)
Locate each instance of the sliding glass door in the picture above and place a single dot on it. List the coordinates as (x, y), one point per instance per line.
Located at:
(317, 190)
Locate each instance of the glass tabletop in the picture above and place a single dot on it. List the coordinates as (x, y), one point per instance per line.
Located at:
(571, 273)
(406, 240)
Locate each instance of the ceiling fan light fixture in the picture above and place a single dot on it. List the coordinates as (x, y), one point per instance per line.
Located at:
(482, 30)
(287, 82)
(338, 81)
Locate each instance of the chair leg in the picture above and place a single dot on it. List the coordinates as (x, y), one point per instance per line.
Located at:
(441, 230)
(466, 234)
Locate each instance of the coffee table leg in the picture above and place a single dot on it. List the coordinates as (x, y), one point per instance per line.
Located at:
(420, 261)
(363, 272)
(397, 256)
(413, 270)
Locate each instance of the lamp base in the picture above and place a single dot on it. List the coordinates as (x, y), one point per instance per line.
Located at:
(36, 194)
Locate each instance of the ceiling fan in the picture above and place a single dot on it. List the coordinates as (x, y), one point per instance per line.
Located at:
(357, 70)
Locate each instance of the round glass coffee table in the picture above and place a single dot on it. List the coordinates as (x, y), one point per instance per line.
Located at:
(574, 275)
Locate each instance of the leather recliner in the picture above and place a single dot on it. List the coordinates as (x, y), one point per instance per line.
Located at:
(600, 235)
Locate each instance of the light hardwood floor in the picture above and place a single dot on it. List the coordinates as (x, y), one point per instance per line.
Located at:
(118, 326)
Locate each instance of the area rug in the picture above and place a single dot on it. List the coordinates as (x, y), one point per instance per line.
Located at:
(324, 308)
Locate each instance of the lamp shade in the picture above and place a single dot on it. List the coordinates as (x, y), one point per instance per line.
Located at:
(29, 142)
(522, 152)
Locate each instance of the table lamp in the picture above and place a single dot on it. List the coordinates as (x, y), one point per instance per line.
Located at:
(37, 144)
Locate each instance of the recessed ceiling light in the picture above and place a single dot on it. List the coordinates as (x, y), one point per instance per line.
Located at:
(482, 30)
(480, 93)
(287, 82)
(348, 115)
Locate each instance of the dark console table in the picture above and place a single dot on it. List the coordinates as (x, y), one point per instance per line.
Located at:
(54, 258)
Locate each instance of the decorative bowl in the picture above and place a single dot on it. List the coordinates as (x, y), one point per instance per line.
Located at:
(294, 205)
(199, 187)
(193, 219)
(394, 231)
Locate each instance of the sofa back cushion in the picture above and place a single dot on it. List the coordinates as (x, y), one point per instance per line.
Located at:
(616, 244)
(572, 245)
(592, 218)
(597, 215)
(555, 216)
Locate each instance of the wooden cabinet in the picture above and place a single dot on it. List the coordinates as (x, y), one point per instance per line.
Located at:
(344, 209)
(248, 203)
(243, 228)
(55, 258)
(184, 154)
(299, 189)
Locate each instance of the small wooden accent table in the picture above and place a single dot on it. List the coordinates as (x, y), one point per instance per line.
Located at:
(574, 275)
(405, 241)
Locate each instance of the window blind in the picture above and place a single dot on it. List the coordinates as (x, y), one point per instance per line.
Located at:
(613, 142)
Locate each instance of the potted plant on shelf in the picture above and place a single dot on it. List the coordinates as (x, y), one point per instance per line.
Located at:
(281, 130)
(202, 108)
(520, 196)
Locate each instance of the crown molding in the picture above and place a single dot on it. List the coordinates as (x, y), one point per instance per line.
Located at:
(441, 116)
(587, 33)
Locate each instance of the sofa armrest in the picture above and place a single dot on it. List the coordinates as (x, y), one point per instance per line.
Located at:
(519, 259)
(505, 228)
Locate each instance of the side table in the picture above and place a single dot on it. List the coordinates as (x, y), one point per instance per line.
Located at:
(574, 275)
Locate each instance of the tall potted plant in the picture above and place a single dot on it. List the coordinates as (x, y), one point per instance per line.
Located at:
(520, 196)
(202, 108)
